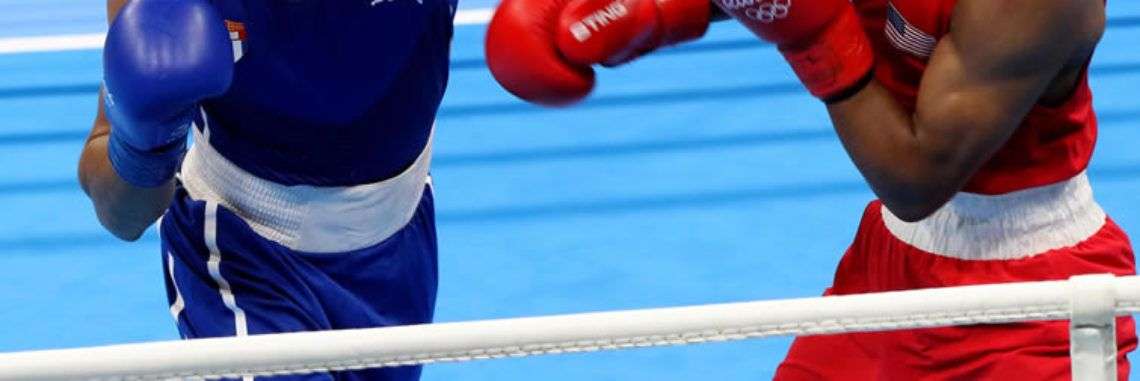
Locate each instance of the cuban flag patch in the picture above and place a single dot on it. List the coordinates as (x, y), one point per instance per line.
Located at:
(237, 38)
(905, 36)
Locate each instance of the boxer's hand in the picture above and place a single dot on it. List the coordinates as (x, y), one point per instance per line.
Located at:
(160, 59)
(542, 50)
(822, 40)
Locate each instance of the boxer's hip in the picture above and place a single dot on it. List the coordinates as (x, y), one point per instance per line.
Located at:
(1010, 226)
(287, 258)
(306, 218)
(224, 279)
(1045, 233)
(1049, 232)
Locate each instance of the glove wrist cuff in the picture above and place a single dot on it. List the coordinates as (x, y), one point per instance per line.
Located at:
(838, 60)
(145, 168)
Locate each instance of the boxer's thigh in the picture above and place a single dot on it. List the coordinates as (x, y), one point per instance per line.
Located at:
(878, 262)
(223, 280)
(1037, 350)
(391, 283)
(832, 357)
(853, 356)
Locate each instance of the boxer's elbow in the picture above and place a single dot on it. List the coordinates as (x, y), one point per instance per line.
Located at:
(128, 214)
(911, 210)
(916, 194)
(123, 210)
(129, 231)
(917, 202)
(125, 215)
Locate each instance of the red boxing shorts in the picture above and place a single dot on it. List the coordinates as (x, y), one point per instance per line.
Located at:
(1046, 233)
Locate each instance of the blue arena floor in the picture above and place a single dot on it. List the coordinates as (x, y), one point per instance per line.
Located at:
(702, 174)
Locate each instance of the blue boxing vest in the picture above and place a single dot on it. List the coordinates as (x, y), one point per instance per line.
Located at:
(331, 92)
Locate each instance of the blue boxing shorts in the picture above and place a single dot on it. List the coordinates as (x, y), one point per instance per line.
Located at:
(244, 256)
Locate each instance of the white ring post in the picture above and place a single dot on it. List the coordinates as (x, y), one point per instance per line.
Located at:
(1092, 330)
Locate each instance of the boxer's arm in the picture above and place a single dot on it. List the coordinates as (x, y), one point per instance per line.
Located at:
(123, 209)
(982, 79)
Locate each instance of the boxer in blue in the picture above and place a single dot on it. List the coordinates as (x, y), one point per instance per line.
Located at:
(305, 201)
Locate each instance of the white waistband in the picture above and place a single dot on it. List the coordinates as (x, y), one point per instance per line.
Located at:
(302, 217)
(1009, 226)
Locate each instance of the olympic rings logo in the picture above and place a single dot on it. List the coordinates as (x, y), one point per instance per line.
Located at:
(769, 11)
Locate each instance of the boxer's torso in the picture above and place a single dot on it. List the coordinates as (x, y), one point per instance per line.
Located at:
(331, 92)
(1053, 143)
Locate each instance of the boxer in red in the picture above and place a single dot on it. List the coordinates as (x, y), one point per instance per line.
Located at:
(971, 120)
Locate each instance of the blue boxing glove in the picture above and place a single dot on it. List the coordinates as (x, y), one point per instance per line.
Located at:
(161, 58)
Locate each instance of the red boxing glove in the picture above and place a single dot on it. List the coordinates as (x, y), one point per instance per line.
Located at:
(542, 50)
(822, 40)
(613, 32)
(522, 55)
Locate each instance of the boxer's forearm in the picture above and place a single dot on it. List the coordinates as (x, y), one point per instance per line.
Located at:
(123, 209)
(911, 175)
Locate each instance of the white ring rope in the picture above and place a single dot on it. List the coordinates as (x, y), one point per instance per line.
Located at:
(306, 352)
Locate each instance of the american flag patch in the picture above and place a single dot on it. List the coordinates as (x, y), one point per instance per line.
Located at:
(906, 37)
